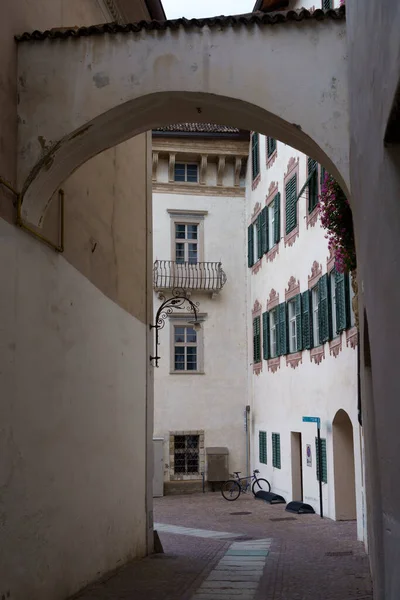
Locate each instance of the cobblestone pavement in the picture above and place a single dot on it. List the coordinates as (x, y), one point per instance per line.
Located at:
(308, 558)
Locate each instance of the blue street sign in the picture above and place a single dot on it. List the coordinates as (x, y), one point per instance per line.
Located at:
(312, 420)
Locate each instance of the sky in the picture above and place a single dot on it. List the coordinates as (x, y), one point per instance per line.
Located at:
(206, 8)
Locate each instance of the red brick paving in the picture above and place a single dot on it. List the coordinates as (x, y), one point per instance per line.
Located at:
(296, 569)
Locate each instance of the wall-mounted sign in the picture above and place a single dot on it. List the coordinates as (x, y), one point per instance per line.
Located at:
(309, 455)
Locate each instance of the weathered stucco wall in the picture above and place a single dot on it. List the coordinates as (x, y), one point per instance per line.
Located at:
(374, 67)
(74, 375)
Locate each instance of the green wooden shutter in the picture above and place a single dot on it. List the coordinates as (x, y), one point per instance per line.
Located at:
(250, 245)
(322, 176)
(264, 230)
(282, 329)
(262, 446)
(259, 237)
(326, 4)
(312, 185)
(299, 319)
(342, 301)
(277, 223)
(271, 146)
(307, 320)
(255, 155)
(291, 212)
(256, 340)
(276, 450)
(323, 310)
(265, 325)
(324, 460)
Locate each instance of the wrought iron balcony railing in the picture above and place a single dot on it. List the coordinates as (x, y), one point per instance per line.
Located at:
(205, 276)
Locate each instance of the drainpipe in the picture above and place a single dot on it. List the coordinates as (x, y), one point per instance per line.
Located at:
(247, 430)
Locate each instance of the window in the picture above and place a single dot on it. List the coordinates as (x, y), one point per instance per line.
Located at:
(342, 301)
(315, 315)
(307, 333)
(291, 204)
(271, 225)
(262, 446)
(273, 326)
(186, 454)
(324, 461)
(271, 146)
(186, 172)
(276, 450)
(256, 340)
(185, 348)
(312, 167)
(352, 315)
(265, 334)
(327, 4)
(257, 238)
(332, 278)
(186, 243)
(255, 155)
(250, 246)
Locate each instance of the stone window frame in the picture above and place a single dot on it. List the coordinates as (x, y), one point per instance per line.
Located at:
(182, 477)
(293, 358)
(182, 320)
(188, 217)
(257, 312)
(272, 191)
(292, 169)
(317, 353)
(273, 301)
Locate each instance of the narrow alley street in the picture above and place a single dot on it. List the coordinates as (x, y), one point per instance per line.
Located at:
(243, 550)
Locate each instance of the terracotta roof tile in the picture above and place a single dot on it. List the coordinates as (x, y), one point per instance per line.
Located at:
(247, 20)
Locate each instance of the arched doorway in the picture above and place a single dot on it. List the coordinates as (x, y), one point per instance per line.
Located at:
(343, 458)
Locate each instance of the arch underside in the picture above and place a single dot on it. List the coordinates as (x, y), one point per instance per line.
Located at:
(79, 98)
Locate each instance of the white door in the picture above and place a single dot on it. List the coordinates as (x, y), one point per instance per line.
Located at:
(158, 478)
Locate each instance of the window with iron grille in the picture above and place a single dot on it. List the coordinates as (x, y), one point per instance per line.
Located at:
(186, 172)
(186, 454)
(186, 243)
(262, 441)
(276, 450)
(185, 349)
(324, 461)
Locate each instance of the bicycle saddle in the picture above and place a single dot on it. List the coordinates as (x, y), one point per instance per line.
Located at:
(237, 473)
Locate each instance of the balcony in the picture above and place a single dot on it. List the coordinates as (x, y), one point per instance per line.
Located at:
(201, 276)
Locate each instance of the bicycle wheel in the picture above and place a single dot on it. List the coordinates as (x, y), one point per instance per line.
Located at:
(230, 490)
(260, 484)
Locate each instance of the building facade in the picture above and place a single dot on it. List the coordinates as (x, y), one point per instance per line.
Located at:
(199, 213)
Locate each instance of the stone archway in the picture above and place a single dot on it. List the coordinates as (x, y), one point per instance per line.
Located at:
(84, 90)
(343, 462)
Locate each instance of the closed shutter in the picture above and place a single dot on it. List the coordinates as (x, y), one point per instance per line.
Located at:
(291, 212)
(262, 446)
(271, 146)
(282, 329)
(259, 237)
(307, 320)
(312, 185)
(324, 461)
(255, 155)
(322, 176)
(324, 317)
(265, 326)
(250, 245)
(277, 222)
(264, 230)
(299, 329)
(256, 340)
(342, 301)
(326, 4)
(276, 450)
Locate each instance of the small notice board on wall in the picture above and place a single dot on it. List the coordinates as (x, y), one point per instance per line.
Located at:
(309, 455)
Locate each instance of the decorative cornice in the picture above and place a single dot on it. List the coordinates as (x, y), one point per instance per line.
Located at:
(155, 166)
(257, 368)
(196, 189)
(271, 159)
(316, 273)
(293, 288)
(292, 164)
(335, 346)
(352, 337)
(272, 191)
(330, 261)
(203, 169)
(274, 364)
(257, 307)
(221, 170)
(114, 11)
(212, 147)
(273, 299)
(256, 210)
(317, 354)
(271, 254)
(257, 266)
(238, 169)
(312, 217)
(294, 359)
(255, 182)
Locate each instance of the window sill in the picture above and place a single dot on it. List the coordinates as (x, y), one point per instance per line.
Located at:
(256, 181)
(352, 337)
(187, 373)
(274, 364)
(271, 254)
(290, 237)
(317, 354)
(257, 368)
(312, 217)
(335, 346)
(294, 359)
(271, 159)
(257, 266)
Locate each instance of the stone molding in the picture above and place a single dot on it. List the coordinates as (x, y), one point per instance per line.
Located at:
(274, 364)
(257, 266)
(294, 359)
(256, 210)
(312, 217)
(272, 191)
(238, 170)
(203, 169)
(317, 354)
(292, 169)
(171, 167)
(273, 300)
(257, 307)
(196, 189)
(220, 171)
(293, 288)
(270, 159)
(211, 147)
(271, 254)
(114, 11)
(255, 182)
(335, 346)
(330, 261)
(155, 167)
(316, 274)
(352, 337)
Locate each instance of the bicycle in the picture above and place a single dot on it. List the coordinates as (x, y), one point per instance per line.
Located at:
(232, 488)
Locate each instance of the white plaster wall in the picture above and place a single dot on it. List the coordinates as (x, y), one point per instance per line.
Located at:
(213, 401)
(281, 399)
(72, 434)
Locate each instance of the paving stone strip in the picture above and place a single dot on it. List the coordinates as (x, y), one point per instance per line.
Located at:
(203, 533)
(238, 573)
